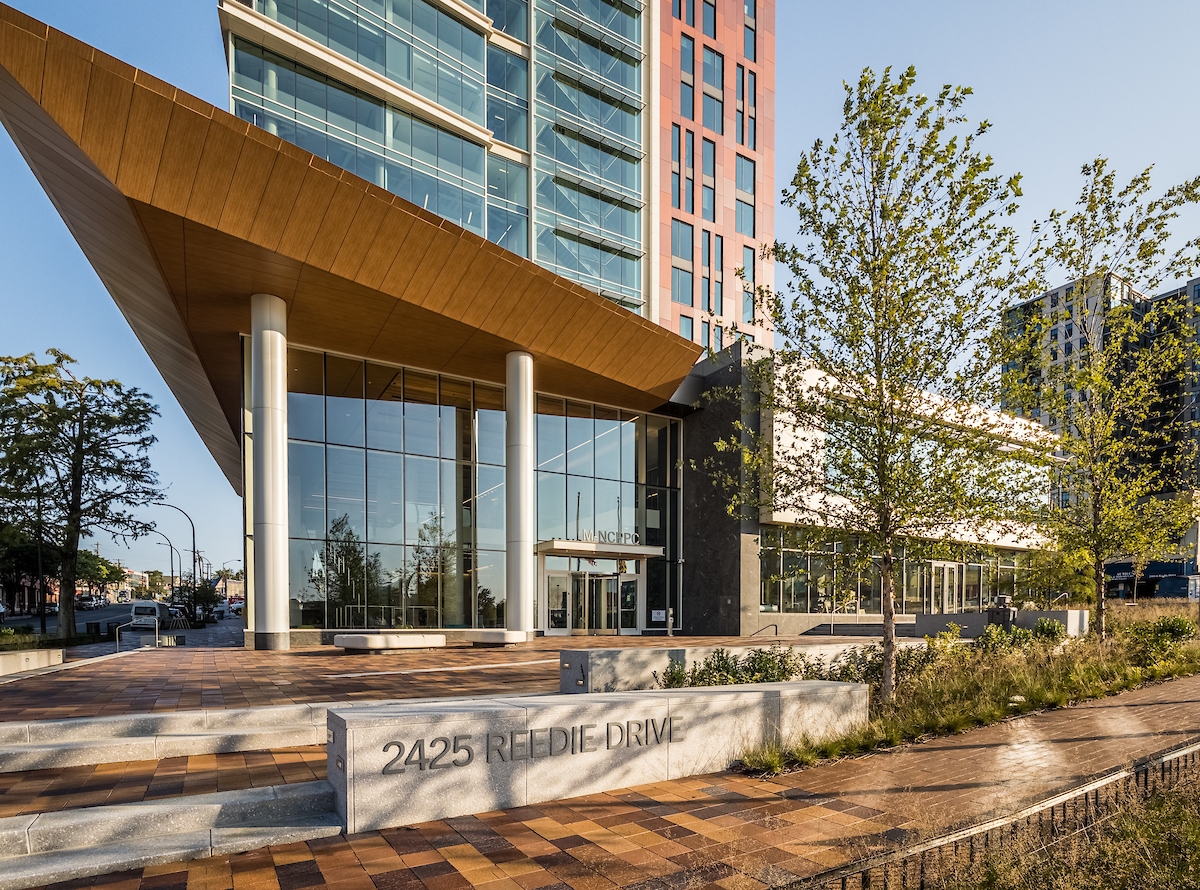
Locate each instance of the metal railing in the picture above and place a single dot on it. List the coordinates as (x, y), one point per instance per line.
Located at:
(1052, 821)
(117, 633)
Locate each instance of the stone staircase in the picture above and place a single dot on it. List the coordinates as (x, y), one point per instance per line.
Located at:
(57, 743)
(45, 848)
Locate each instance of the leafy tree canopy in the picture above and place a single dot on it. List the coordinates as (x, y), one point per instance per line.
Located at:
(75, 451)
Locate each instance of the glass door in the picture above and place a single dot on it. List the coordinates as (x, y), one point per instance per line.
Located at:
(585, 603)
(602, 604)
(558, 604)
(947, 592)
(629, 604)
(579, 604)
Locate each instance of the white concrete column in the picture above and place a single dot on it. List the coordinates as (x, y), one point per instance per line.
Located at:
(268, 404)
(520, 491)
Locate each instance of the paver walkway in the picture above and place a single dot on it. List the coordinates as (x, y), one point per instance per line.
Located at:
(188, 678)
(725, 831)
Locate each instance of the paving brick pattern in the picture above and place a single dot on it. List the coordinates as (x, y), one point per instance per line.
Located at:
(49, 790)
(725, 831)
(227, 677)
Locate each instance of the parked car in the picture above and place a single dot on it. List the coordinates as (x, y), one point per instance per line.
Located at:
(144, 613)
(51, 608)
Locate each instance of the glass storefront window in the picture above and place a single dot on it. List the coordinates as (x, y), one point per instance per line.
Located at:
(928, 576)
(345, 421)
(397, 494)
(385, 407)
(420, 413)
(489, 424)
(306, 389)
(581, 434)
(551, 435)
(385, 497)
(306, 490)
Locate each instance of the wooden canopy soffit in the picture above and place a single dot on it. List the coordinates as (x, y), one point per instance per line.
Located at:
(185, 211)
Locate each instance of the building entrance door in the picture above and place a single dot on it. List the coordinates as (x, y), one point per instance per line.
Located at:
(594, 604)
(583, 603)
(947, 591)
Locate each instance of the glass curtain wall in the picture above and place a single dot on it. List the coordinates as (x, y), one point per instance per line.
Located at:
(396, 485)
(803, 571)
(603, 470)
(588, 153)
(413, 43)
(420, 47)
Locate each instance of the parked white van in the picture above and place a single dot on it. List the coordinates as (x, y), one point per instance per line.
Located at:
(144, 612)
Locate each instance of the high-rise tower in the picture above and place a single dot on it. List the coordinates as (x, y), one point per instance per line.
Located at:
(626, 146)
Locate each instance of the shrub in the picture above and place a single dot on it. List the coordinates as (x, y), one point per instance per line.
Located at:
(674, 677)
(720, 668)
(1047, 630)
(1020, 638)
(7, 632)
(1149, 643)
(1175, 628)
(993, 640)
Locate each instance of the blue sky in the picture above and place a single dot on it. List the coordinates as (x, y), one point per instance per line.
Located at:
(1061, 82)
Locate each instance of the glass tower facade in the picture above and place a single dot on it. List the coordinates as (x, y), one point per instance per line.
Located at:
(560, 90)
(589, 157)
(420, 47)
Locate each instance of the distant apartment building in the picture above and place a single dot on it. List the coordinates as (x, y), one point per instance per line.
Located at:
(1071, 318)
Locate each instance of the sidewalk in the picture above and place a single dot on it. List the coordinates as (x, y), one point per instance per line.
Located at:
(225, 676)
(725, 831)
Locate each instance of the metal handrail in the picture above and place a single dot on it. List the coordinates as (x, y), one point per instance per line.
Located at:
(130, 624)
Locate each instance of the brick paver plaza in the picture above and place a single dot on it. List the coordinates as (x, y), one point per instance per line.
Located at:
(726, 831)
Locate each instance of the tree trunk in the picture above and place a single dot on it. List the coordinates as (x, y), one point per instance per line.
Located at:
(71, 534)
(1101, 628)
(886, 568)
(66, 582)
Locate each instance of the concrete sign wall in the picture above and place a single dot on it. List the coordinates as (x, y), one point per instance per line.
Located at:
(400, 763)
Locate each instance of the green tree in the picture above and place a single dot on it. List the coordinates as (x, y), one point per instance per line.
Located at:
(156, 583)
(97, 572)
(82, 443)
(1126, 465)
(888, 331)
(1052, 573)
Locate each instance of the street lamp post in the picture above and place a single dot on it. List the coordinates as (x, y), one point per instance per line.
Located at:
(171, 550)
(191, 599)
(226, 578)
(193, 525)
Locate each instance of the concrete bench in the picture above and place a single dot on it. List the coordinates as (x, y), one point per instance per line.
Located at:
(494, 636)
(363, 644)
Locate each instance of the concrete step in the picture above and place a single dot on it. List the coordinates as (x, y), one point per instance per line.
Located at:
(50, 847)
(80, 752)
(161, 723)
(39, 869)
(83, 741)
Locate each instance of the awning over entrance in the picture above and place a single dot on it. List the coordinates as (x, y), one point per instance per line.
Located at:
(186, 211)
(596, 550)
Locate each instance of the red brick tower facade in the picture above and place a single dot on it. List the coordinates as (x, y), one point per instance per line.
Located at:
(716, 156)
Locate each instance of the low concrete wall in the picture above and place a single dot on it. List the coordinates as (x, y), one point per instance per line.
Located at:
(28, 660)
(400, 763)
(626, 670)
(973, 623)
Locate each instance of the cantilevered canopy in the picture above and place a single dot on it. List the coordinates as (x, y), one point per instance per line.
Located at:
(186, 211)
